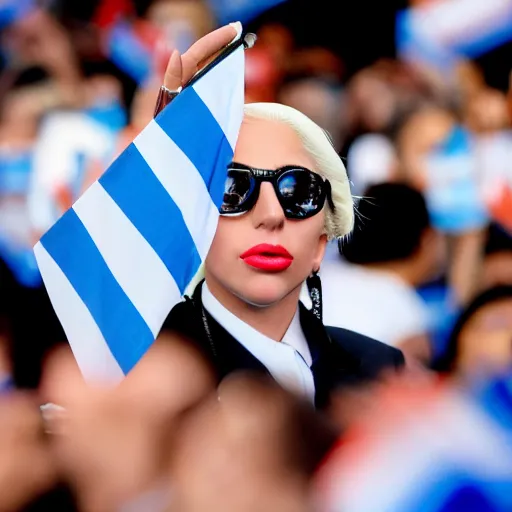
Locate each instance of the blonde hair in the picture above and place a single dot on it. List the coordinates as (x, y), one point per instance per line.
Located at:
(317, 143)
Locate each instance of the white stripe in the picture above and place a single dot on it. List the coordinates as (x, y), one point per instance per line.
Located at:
(417, 451)
(87, 343)
(137, 268)
(183, 182)
(456, 21)
(222, 91)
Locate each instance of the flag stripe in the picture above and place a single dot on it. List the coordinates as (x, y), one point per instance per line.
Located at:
(215, 94)
(87, 342)
(73, 250)
(133, 186)
(182, 182)
(209, 153)
(133, 243)
(138, 269)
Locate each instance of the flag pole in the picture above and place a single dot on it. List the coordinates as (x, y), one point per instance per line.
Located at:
(247, 41)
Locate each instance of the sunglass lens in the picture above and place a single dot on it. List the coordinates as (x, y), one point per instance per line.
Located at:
(238, 188)
(301, 192)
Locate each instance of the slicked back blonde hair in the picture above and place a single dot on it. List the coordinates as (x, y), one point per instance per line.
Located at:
(317, 143)
(328, 163)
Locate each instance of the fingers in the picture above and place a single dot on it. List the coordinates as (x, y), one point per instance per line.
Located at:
(173, 73)
(171, 377)
(206, 48)
(62, 382)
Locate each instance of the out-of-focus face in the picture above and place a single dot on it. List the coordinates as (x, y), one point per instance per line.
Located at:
(266, 145)
(485, 342)
(173, 15)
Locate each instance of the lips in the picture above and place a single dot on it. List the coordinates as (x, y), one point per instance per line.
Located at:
(271, 258)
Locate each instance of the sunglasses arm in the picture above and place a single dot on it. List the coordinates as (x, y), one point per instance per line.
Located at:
(329, 195)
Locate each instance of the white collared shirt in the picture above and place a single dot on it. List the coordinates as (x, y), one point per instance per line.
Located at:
(288, 361)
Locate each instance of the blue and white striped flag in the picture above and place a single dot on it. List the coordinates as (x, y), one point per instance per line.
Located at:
(117, 262)
(442, 31)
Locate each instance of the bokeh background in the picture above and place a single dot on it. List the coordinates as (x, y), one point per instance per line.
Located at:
(416, 97)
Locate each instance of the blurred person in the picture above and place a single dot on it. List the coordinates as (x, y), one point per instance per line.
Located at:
(392, 250)
(71, 152)
(486, 112)
(259, 452)
(262, 76)
(372, 102)
(381, 94)
(422, 445)
(509, 95)
(267, 64)
(497, 264)
(183, 21)
(437, 156)
(419, 132)
(488, 119)
(480, 342)
(371, 160)
(27, 469)
(316, 62)
(279, 41)
(38, 40)
(321, 100)
(114, 445)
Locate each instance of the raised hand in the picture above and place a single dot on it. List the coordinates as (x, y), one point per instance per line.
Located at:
(114, 443)
(181, 68)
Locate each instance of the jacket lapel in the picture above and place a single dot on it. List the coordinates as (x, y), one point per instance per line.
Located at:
(227, 353)
(332, 366)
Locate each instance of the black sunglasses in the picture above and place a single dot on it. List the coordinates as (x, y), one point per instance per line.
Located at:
(301, 192)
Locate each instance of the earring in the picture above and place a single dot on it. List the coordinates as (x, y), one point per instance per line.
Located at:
(315, 292)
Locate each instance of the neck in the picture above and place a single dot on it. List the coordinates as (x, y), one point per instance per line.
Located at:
(271, 321)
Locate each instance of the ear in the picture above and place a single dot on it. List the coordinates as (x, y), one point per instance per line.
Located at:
(320, 252)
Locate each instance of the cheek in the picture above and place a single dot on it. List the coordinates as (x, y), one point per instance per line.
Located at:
(226, 241)
(307, 239)
(495, 353)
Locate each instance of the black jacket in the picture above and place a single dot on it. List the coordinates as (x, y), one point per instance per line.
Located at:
(340, 357)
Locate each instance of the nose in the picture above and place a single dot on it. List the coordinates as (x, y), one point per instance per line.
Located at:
(267, 212)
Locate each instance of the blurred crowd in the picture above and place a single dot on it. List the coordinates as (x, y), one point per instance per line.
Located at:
(428, 269)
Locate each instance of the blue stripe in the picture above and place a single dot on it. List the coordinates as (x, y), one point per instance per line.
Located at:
(129, 53)
(125, 331)
(200, 137)
(479, 44)
(137, 191)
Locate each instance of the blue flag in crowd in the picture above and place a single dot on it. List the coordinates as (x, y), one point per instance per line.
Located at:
(117, 262)
(13, 10)
(440, 32)
(243, 10)
(449, 451)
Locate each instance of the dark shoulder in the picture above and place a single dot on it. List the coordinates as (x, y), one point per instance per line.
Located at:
(374, 356)
(182, 319)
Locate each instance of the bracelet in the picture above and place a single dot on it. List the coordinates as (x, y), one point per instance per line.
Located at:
(165, 96)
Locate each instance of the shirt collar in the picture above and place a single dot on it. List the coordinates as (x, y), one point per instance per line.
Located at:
(260, 346)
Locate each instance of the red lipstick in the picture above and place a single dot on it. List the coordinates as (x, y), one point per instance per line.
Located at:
(272, 258)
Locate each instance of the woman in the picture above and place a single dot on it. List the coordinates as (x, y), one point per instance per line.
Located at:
(286, 195)
(481, 339)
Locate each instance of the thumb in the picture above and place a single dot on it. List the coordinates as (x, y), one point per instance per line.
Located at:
(173, 73)
(62, 382)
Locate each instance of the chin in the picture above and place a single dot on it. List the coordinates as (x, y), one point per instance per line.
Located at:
(265, 290)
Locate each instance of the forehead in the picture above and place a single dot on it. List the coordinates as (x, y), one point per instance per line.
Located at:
(270, 144)
(495, 310)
